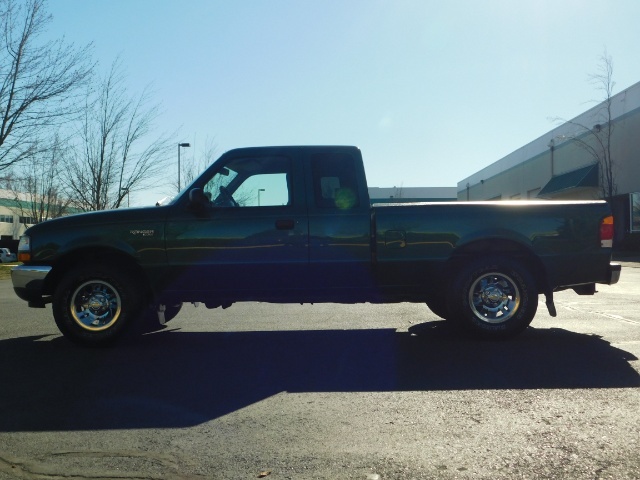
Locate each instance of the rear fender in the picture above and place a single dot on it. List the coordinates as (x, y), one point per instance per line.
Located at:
(471, 250)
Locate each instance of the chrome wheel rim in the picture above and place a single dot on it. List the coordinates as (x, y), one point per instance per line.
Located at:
(95, 305)
(494, 298)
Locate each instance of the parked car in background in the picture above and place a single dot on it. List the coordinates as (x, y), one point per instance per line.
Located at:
(6, 256)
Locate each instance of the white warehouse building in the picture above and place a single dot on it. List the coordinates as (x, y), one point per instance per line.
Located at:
(12, 221)
(561, 165)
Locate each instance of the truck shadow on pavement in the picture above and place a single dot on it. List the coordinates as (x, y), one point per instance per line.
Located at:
(174, 379)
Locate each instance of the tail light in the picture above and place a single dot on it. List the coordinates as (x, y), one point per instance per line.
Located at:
(24, 249)
(606, 232)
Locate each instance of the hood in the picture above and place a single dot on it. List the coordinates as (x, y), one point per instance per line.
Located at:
(140, 215)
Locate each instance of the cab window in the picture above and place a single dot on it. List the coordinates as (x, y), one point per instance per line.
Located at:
(251, 182)
(334, 181)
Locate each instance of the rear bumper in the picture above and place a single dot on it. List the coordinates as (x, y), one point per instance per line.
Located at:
(28, 282)
(614, 273)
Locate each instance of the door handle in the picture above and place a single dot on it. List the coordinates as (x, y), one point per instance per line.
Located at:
(285, 224)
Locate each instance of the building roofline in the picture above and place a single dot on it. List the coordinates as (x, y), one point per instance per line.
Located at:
(623, 103)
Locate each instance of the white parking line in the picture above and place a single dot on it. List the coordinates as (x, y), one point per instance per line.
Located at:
(602, 314)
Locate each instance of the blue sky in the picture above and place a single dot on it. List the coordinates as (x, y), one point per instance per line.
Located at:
(431, 91)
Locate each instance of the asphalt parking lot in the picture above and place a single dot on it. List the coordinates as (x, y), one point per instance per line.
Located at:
(327, 391)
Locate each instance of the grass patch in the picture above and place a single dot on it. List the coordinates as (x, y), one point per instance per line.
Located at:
(5, 270)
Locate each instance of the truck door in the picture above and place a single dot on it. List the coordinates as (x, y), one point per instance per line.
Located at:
(339, 223)
(250, 237)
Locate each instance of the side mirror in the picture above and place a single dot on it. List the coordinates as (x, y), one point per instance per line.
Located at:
(197, 198)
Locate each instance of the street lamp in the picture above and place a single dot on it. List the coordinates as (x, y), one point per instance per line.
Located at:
(180, 145)
(260, 190)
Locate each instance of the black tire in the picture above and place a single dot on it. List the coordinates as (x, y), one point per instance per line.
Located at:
(93, 306)
(493, 297)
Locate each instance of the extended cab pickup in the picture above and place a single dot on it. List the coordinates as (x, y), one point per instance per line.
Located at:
(294, 224)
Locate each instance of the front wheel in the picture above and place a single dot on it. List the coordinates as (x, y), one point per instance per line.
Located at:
(93, 306)
(493, 297)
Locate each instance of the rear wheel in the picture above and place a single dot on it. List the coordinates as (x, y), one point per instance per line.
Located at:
(493, 297)
(93, 306)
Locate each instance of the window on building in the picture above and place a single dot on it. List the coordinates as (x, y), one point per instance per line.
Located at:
(27, 220)
(6, 218)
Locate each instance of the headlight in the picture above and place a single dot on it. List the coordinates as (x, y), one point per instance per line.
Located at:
(24, 249)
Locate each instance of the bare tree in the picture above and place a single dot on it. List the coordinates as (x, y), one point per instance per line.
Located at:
(38, 81)
(6, 180)
(36, 186)
(202, 160)
(603, 131)
(596, 140)
(113, 156)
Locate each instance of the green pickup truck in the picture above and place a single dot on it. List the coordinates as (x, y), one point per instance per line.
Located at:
(295, 224)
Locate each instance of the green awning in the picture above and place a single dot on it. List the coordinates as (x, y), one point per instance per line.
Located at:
(580, 178)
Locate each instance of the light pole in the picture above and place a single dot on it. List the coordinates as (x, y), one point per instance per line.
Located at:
(260, 190)
(180, 145)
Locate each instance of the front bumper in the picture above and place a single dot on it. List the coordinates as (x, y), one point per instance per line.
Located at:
(614, 273)
(28, 283)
